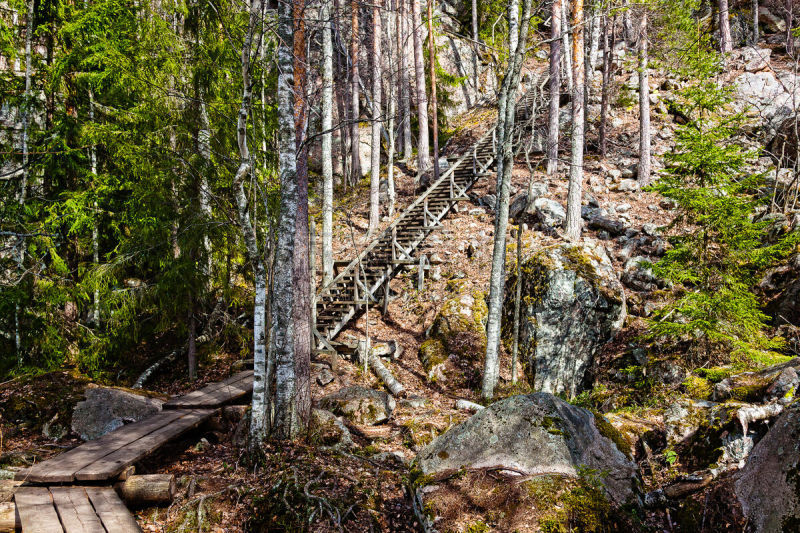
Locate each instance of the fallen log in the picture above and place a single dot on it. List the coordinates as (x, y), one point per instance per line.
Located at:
(7, 489)
(394, 386)
(146, 490)
(9, 518)
(466, 405)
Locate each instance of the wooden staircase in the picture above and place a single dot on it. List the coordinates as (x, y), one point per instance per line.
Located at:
(364, 281)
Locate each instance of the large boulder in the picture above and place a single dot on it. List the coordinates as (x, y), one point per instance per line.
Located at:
(766, 99)
(457, 336)
(774, 383)
(573, 304)
(106, 409)
(768, 487)
(360, 405)
(532, 435)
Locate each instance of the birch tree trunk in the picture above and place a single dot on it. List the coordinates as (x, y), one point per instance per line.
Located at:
(555, 88)
(434, 103)
(725, 40)
(565, 44)
(26, 103)
(475, 36)
(95, 234)
(789, 16)
(392, 90)
(327, 141)
(754, 8)
(405, 83)
(644, 106)
(204, 149)
(574, 223)
(298, 414)
(282, 301)
(627, 24)
(423, 153)
(505, 137)
(355, 165)
(375, 152)
(258, 420)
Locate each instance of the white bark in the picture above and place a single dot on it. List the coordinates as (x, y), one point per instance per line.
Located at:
(574, 222)
(423, 152)
(282, 301)
(644, 106)
(258, 418)
(26, 103)
(555, 88)
(565, 43)
(355, 114)
(754, 9)
(377, 366)
(392, 109)
(466, 405)
(204, 149)
(405, 84)
(505, 164)
(725, 40)
(327, 141)
(375, 163)
(95, 235)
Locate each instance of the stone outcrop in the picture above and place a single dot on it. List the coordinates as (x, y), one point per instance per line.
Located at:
(106, 409)
(532, 435)
(573, 303)
(768, 487)
(457, 336)
(360, 405)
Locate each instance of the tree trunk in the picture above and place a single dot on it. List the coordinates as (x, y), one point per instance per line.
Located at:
(754, 8)
(434, 103)
(405, 84)
(644, 106)
(725, 41)
(517, 305)
(327, 141)
(566, 45)
(392, 107)
(300, 403)
(258, 420)
(423, 154)
(26, 103)
(627, 25)
(95, 232)
(355, 115)
(475, 37)
(505, 137)
(608, 55)
(375, 166)
(555, 89)
(573, 224)
(789, 15)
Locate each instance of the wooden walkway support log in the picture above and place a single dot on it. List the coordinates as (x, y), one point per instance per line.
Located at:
(147, 490)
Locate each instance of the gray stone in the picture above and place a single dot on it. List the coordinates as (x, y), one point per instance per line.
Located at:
(626, 185)
(550, 212)
(755, 59)
(106, 409)
(539, 189)
(578, 282)
(769, 21)
(534, 434)
(329, 430)
(359, 404)
(766, 487)
(609, 225)
(324, 377)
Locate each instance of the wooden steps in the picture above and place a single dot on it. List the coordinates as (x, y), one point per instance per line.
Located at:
(104, 458)
(215, 394)
(73, 510)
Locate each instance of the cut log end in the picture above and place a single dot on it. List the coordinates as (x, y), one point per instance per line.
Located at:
(9, 518)
(146, 490)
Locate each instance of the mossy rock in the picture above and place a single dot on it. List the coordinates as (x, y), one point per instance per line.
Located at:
(433, 355)
(697, 387)
(461, 324)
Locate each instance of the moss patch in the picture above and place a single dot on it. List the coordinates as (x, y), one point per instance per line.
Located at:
(610, 432)
(697, 387)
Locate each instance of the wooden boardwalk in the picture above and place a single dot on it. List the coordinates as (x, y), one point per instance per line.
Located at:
(73, 510)
(104, 458)
(215, 394)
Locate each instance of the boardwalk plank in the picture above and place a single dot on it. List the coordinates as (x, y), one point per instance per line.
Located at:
(62, 468)
(112, 464)
(112, 512)
(36, 511)
(215, 394)
(76, 512)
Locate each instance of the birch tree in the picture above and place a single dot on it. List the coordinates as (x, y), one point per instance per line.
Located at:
(725, 40)
(434, 103)
(355, 113)
(644, 105)
(327, 141)
(754, 9)
(608, 61)
(555, 88)
(259, 409)
(405, 85)
(505, 164)
(423, 153)
(375, 152)
(573, 224)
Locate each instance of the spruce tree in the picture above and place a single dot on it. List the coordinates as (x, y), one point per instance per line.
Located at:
(719, 247)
